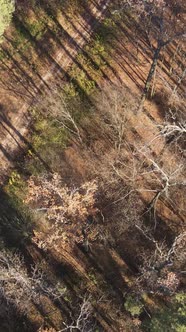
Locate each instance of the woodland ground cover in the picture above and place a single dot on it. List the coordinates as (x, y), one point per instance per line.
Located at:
(97, 197)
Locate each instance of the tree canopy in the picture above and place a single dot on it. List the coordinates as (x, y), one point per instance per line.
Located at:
(7, 8)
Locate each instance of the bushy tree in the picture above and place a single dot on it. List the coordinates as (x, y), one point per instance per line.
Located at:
(7, 8)
(66, 209)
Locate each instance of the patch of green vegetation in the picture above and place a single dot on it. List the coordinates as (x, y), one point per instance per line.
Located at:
(83, 83)
(48, 134)
(16, 186)
(91, 63)
(92, 277)
(70, 91)
(106, 31)
(48, 140)
(16, 219)
(36, 28)
(73, 7)
(19, 36)
(2, 55)
(170, 318)
(7, 9)
(133, 305)
(20, 40)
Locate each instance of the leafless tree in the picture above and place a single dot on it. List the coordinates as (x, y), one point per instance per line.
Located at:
(56, 105)
(134, 163)
(115, 102)
(18, 286)
(157, 271)
(144, 173)
(179, 81)
(170, 134)
(161, 23)
(169, 129)
(84, 321)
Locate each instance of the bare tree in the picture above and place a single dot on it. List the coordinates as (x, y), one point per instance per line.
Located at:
(56, 105)
(144, 173)
(179, 81)
(18, 286)
(115, 102)
(167, 130)
(161, 23)
(157, 271)
(84, 321)
(135, 164)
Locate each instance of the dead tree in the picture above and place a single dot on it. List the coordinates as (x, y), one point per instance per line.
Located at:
(18, 286)
(56, 105)
(161, 25)
(84, 321)
(157, 271)
(179, 81)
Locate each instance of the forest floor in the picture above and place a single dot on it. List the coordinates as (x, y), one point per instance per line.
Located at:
(15, 120)
(108, 271)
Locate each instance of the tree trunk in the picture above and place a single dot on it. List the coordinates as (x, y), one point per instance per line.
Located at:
(152, 68)
(179, 82)
(151, 72)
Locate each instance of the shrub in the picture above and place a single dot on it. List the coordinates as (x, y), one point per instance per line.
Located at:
(133, 305)
(172, 318)
(7, 9)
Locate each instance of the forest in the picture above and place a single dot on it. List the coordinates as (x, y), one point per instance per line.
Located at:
(92, 165)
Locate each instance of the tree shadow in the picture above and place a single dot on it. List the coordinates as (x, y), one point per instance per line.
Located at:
(58, 72)
(11, 84)
(29, 64)
(15, 226)
(77, 284)
(103, 262)
(21, 70)
(12, 320)
(69, 40)
(19, 139)
(15, 233)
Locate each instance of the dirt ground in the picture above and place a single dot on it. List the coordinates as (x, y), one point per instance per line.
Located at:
(109, 269)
